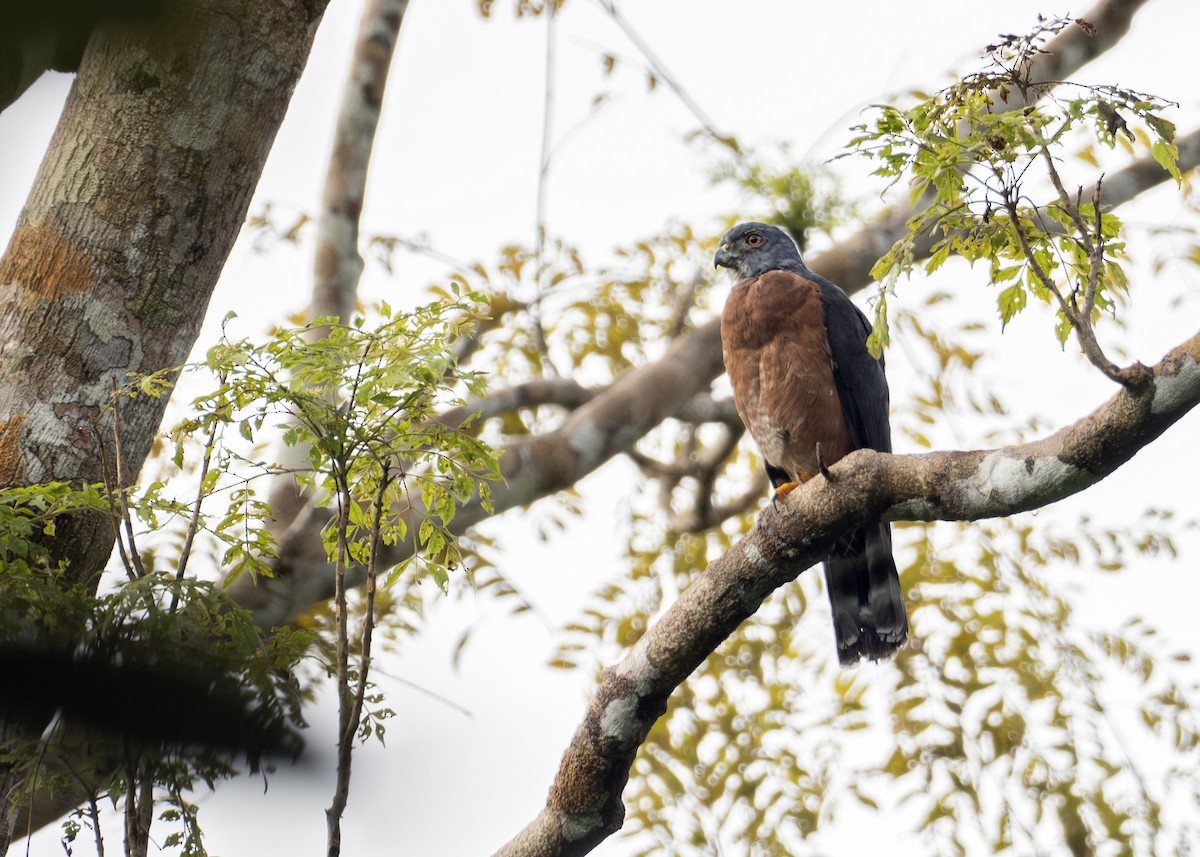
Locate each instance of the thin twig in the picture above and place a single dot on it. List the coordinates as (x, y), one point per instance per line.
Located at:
(39, 757)
(194, 523)
(333, 815)
(369, 608)
(449, 703)
(718, 513)
(682, 305)
(661, 72)
(137, 568)
(94, 814)
(139, 810)
(709, 468)
(1071, 210)
(1095, 254)
(539, 251)
(1010, 204)
(1084, 332)
(111, 488)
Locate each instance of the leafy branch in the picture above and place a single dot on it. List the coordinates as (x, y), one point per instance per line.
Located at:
(975, 161)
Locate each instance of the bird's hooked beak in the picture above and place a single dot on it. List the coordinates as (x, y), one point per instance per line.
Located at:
(724, 259)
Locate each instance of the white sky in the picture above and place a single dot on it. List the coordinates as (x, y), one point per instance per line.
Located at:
(456, 161)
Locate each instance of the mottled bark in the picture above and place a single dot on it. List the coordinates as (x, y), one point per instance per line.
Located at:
(584, 805)
(142, 191)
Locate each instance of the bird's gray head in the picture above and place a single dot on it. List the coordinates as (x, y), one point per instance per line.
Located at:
(751, 249)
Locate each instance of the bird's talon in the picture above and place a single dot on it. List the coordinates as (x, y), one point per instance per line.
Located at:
(821, 466)
(783, 490)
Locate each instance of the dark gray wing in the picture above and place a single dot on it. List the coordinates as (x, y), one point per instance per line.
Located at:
(869, 619)
(860, 379)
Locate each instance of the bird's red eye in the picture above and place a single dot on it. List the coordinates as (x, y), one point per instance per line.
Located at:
(754, 240)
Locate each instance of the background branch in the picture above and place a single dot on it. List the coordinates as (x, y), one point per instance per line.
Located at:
(338, 265)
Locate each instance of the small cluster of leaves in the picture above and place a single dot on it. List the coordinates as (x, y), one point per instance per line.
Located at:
(29, 516)
(360, 401)
(522, 8)
(39, 602)
(970, 160)
(269, 231)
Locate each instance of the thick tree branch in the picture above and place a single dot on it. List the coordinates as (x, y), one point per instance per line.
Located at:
(584, 805)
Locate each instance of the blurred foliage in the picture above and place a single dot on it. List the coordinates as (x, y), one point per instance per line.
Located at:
(166, 677)
(801, 198)
(606, 320)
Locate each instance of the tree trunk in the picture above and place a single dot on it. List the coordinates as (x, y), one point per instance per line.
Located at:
(133, 212)
(131, 217)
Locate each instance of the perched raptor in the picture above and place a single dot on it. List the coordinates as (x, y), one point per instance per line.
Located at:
(810, 393)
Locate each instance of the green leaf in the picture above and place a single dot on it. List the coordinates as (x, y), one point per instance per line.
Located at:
(1167, 155)
(940, 254)
(1011, 301)
(1063, 329)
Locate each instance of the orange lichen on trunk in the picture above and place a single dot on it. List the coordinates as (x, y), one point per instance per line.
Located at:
(12, 471)
(46, 264)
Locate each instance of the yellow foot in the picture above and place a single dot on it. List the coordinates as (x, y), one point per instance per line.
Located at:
(788, 487)
(783, 490)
